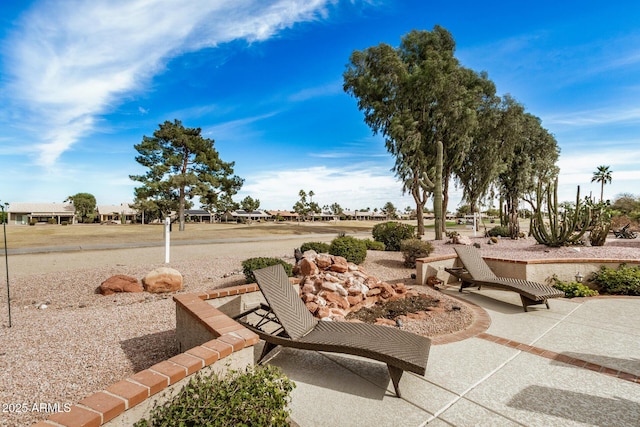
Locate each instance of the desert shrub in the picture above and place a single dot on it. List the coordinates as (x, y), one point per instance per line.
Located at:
(248, 265)
(64, 223)
(499, 230)
(372, 245)
(354, 250)
(319, 247)
(573, 289)
(52, 221)
(391, 233)
(623, 281)
(257, 396)
(412, 249)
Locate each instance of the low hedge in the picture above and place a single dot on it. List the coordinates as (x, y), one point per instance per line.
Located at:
(248, 265)
(354, 250)
(258, 396)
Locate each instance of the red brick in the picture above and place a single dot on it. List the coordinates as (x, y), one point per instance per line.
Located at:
(223, 349)
(609, 371)
(154, 381)
(208, 355)
(237, 343)
(132, 393)
(109, 406)
(593, 367)
(76, 417)
(173, 371)
(249, 337)
(191, 363)
(627, 376)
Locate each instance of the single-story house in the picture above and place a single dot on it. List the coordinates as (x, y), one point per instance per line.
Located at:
(198, 215)
(25, 213)
(121, 213)
(285, 215)
(241, 215)
(364, 215)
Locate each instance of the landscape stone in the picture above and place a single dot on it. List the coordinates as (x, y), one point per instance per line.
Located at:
(162, 279)
(119, 283)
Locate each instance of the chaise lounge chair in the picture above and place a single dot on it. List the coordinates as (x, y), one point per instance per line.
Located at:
(287, 322)
(476, 272)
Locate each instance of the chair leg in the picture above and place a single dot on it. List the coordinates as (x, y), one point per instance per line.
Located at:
(395, 373)
(266, 350)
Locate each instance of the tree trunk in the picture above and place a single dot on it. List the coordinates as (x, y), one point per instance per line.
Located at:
(181, 209)
(512, 210)
(439, 205)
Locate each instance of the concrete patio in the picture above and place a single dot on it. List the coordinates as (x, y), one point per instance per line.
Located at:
(576, 364)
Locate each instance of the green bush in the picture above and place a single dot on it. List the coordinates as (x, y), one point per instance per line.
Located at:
(354, 250)
(256, 397)
(372, 245)
(248, 265)
(623, 281)
(573, 289)
(391, 233)
(412, 249)
(499, 230)
(319, 247)
(52, 221)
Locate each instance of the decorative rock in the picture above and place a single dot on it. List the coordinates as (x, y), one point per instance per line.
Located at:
(462, 240)
(308, 267)
(323, 312)
(119, 283)
(163, 279)
(355, 299)
(340, 264)
(330, 286)
(323, 261)
(335, 298)
(313, 307)
(341, 290)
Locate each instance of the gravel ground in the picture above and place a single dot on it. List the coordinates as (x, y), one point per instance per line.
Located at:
(83, 342)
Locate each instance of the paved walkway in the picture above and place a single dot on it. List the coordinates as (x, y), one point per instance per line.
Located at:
(577, 364)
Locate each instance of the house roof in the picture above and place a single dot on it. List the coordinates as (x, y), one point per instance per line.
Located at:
(42, 208)
(122, 208)
(252, 214)
(283, 213)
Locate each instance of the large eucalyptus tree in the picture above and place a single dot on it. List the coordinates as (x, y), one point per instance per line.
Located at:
(415, 95)
(528, 152)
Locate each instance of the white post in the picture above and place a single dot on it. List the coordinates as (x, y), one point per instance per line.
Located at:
(167, 239)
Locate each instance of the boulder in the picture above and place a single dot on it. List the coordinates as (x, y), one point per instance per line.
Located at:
(462, 240)
(340, 264)
(323, 261)
(307, 267)
(163, 279)
(119, 283)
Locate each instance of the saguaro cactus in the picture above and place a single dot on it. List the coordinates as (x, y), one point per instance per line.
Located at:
(435, 186)
(564, 228)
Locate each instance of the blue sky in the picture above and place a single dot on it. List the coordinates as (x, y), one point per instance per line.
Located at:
(82, 81)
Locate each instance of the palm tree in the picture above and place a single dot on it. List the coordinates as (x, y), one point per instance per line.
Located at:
(603, 176)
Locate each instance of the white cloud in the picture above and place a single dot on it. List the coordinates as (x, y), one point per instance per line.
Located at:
(69, 62)
(353, 188)
(597, 117)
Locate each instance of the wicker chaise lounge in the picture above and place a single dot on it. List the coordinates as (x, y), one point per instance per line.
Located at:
(476, 272)
(287, 322)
